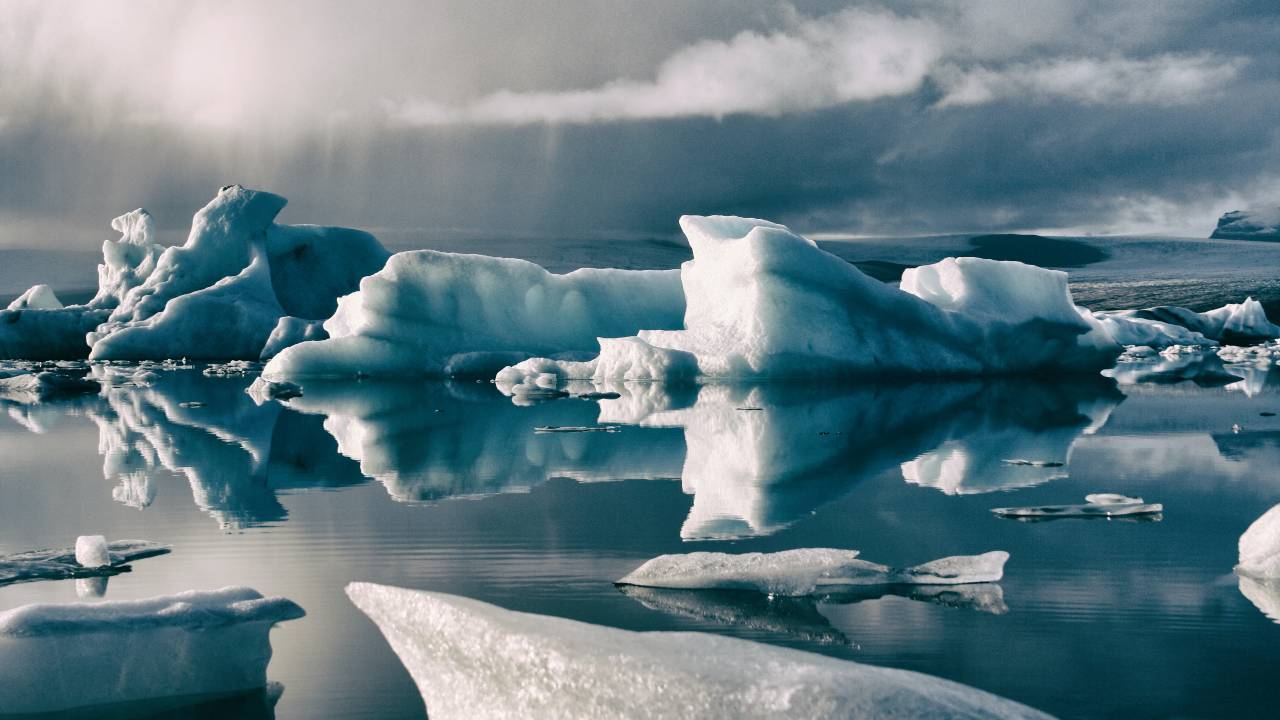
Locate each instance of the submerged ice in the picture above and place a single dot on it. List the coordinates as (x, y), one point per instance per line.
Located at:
(470, 659)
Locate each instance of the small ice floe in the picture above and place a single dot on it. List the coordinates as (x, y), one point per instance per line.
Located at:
(577, 428)
(598, 396)
(806, 571)
(191, 404)
(235, 368)
(466, 657)
(91, 557)
(34, 387)
(57, 657)
(1032, 463)
(263, 391)
(1095, 505)
(799, 617)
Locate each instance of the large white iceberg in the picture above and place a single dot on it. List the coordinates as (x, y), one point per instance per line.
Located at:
(218, 296)
(474, 660)
(805, 571)
(1256, 224)
(208, 643)
(765, 303)
(434, 313)
(221, 294)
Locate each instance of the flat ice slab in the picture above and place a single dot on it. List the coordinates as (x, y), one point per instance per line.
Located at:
(807, 570)
(197, 643)
(64, 563)
(1095, 505)
(475, 660)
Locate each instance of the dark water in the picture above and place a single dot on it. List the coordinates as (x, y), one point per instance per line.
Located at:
(446, 486)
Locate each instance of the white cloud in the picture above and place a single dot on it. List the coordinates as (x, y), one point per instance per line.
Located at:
(852, 55)
(1162, 80)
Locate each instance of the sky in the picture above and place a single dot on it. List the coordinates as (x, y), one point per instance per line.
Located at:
(611, 118)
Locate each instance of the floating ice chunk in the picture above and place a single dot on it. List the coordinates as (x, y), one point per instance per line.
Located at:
(1260, 547)
(1254, 224)
(290, 331)
(263, 391)
(1264, 594)
(34, 387)
(91, 551)
(77, 655)
(471, 660)
(1096, 505)
(76, 562)
(1033, 463)
(38, 297)
(805, 571)
(764, 303)
(424, 308)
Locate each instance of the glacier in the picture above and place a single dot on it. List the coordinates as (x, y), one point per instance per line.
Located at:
(1254, 224)
(56, 657)
(475, 660)
(805, 571)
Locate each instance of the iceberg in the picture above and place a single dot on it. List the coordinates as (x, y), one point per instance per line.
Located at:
(1242, 323)
(765, 303)
(38, 297)
(91, 557)
(799, 617)
(431, 313)
(56, 657)
(1106, 505)
(1131, 330)
(1256, 224)
(36, 387)
(1260, 547)
(475, 660)
(221, 294)
(806, 571)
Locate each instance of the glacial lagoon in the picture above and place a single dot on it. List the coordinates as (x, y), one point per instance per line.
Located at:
(446, 486)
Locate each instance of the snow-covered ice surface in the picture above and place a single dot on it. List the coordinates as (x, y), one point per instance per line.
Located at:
(1106, 505)
(475, 660)
(96, 559)
(765, 303)
(197, 643)
(806, 571)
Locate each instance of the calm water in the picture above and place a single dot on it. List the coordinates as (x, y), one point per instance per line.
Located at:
(446, 486)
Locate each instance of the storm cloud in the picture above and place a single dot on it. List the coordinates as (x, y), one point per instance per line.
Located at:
(610, 119)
